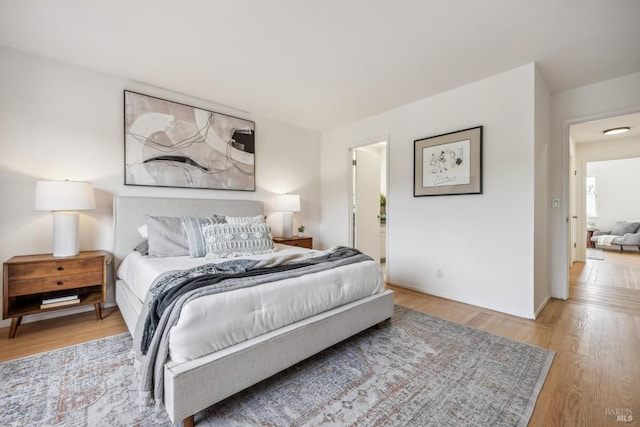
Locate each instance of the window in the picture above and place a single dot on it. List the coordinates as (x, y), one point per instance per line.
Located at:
(592, 197)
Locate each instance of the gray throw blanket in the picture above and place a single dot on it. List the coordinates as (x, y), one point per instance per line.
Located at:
(150, 366)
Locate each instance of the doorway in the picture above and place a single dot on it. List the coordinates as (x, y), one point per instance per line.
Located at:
(602, 173)
(368, 200)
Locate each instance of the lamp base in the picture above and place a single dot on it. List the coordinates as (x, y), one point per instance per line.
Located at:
(65, 234)
(287, 224)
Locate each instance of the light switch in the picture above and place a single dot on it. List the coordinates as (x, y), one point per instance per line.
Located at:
(555, 203)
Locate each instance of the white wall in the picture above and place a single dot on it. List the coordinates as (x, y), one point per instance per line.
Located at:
(542, 239)
(59, 121)
(618, 192)
(605, 99)
(483, 243)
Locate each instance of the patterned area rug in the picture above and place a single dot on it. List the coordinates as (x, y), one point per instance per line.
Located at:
(594, 253)
(418, 371)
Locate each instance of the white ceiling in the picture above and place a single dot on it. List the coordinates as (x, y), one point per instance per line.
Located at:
(592, 131)
(322, 64)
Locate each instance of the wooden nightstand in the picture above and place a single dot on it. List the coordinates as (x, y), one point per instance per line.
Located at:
(303, 242)
(30, 279)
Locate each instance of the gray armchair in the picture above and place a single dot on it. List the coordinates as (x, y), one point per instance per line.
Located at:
(623, 234)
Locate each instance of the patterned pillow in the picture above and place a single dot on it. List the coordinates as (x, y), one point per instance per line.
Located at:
(166, 236)
(240, 220)
(228, 240)
(193, 227)
(622, 228)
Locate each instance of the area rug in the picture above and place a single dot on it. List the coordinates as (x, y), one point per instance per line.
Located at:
(594, 253)
(419, 370)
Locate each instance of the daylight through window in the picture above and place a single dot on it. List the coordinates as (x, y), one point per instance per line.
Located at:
(592, 197)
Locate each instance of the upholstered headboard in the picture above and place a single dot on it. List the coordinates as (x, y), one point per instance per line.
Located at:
(128, 214)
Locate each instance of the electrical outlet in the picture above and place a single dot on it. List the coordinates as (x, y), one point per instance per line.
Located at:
(439, 273)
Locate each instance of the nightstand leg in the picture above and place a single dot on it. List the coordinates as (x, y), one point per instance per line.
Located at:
(98, 311)
(15, 322)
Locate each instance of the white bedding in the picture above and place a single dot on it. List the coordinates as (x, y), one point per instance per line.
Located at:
(218, 321)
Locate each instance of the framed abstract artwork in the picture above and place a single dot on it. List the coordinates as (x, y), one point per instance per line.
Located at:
(168, 144)
(448, 164)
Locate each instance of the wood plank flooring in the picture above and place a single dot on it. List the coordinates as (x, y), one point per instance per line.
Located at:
(596, 337)
(613, 282)
(617, 270)
(46, 335)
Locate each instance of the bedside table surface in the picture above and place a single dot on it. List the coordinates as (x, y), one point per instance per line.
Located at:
(49, 257)
(303, 242)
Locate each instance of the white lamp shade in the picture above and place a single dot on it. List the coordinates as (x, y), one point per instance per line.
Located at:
(64, 196)
(287, 203)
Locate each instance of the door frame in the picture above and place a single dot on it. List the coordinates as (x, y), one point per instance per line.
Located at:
(567, 193)
(350, 195)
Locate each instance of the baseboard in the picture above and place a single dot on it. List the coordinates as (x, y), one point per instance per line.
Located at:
(542, 306)
(461, 301)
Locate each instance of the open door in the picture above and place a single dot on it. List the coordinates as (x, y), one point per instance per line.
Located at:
(574, 229)
(366, 201)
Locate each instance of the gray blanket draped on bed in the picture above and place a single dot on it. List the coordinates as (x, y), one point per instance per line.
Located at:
(150, 366)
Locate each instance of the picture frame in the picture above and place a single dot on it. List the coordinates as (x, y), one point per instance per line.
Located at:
(448, 164)
(169, 144)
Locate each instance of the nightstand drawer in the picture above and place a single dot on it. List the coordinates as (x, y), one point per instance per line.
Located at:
(57, 283)
(55, 268)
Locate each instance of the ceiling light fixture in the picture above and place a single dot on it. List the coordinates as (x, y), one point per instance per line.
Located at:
(616, 131)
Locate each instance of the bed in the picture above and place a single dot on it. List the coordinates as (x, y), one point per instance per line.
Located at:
(197, 378)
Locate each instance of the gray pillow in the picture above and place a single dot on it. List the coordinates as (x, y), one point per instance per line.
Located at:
(166, 236)
(622, 228)
(193, 228)
(227, 240)
(142, 247)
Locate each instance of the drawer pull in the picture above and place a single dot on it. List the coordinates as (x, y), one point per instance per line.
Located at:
(60, 268)
(59, 283)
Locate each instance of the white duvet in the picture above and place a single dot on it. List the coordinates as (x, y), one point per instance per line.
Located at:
(218, 321)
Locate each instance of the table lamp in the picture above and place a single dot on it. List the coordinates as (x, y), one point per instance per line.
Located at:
(287, 204)
(63, 199)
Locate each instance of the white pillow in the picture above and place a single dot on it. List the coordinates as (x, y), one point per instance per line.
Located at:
(240, 220)
(144, 231)
(227, 240)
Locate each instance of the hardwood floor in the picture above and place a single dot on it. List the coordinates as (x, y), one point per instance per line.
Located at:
(59, 332)
(595, 374)
(617, 270)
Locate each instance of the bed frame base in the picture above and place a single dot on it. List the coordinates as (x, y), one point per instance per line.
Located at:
(191, 389)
